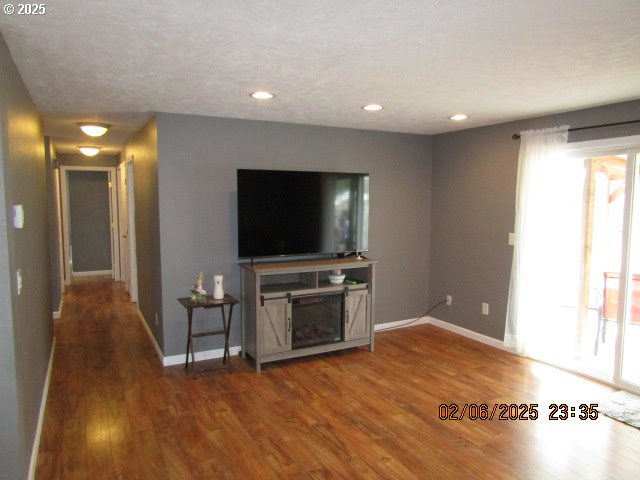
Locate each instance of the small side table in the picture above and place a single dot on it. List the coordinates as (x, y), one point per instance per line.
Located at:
(210, 302)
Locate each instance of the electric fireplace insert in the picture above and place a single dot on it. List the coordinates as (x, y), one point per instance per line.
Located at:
(317, 320)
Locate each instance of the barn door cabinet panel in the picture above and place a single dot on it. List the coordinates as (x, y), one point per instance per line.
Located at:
(275, 323)
(356, 317)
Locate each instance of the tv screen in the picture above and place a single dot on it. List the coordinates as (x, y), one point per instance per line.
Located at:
(302, 213)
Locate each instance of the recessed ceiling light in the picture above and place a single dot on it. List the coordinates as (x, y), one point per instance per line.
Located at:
(262, 95)
(372, 107)
(94, 129)
(89, 151)
(458, 117)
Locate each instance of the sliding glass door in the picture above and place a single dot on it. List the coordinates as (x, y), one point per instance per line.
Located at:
(607, 333)
(628, 345)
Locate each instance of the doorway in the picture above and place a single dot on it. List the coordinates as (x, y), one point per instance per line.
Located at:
(89, 218)
(608, 328)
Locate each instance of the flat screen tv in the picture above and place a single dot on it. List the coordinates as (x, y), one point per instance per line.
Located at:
(282, 213)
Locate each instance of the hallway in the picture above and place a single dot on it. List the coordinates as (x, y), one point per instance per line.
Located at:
(114, 413)
(101, 392)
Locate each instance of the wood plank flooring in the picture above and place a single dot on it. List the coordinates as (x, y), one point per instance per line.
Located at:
(113, 412)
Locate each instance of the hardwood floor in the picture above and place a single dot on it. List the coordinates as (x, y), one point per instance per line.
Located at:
(113, 412)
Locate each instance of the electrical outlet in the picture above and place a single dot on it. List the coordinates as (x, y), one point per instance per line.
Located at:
(156, 319)
(449, 300)
(485, 308)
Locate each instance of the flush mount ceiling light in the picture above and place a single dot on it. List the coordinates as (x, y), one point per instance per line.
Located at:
(90, 151)
(262, 95)
(458, 117)
(372, 107)
(94, 129)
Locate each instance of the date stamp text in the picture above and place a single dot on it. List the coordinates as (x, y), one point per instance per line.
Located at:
(516, 411)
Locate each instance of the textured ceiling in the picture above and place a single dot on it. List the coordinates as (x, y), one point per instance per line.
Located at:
(496, 60)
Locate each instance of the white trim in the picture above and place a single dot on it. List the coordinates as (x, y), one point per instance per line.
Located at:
(89, 274)
(58, 217)
(58, 313)
(478, 337)
(33, 463)
(410, 322)
(204, 355)
(153, 339)
(64, 200)
(178, 359)
(114, 224)
(603, 146)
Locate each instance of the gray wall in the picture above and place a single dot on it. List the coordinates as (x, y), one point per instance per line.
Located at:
(89, 220)
(473, 210)
(197, 162)
(26, 329)
(143, 147)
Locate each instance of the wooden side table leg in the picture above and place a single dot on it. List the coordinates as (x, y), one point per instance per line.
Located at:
(227, 330)
(224, 330)
(189, 339)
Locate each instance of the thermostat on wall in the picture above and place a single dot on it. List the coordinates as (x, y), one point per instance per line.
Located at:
(18, 216)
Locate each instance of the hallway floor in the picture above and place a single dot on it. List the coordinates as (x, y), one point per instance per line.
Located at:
(114, 412)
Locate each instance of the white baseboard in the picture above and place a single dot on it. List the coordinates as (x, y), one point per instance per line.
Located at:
(178, 359)
(90, 274)
(58, 313)
(409, 322)
(478, 337)
(43, 405)
(153, 339)
(205, 355)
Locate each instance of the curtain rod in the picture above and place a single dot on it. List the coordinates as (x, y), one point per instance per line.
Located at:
(516, 136)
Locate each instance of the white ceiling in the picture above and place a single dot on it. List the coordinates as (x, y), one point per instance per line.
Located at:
(118, 61)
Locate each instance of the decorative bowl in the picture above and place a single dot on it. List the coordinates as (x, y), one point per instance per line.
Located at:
(336, 279)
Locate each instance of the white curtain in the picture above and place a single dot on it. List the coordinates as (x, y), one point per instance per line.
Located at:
(545, 288)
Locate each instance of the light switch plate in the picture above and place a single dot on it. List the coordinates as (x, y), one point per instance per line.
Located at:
(19, 281)
(512, 238)
(18, 216)
(485, 309)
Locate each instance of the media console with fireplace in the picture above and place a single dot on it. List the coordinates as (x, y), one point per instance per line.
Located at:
(291, 309)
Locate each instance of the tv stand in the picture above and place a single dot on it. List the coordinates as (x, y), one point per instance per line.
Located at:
(270, 290)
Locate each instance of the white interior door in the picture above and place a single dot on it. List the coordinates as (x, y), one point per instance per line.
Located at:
(124, 226)
(131, 224)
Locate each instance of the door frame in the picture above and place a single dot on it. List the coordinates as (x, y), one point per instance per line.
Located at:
(624, 309)
(113, 215)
